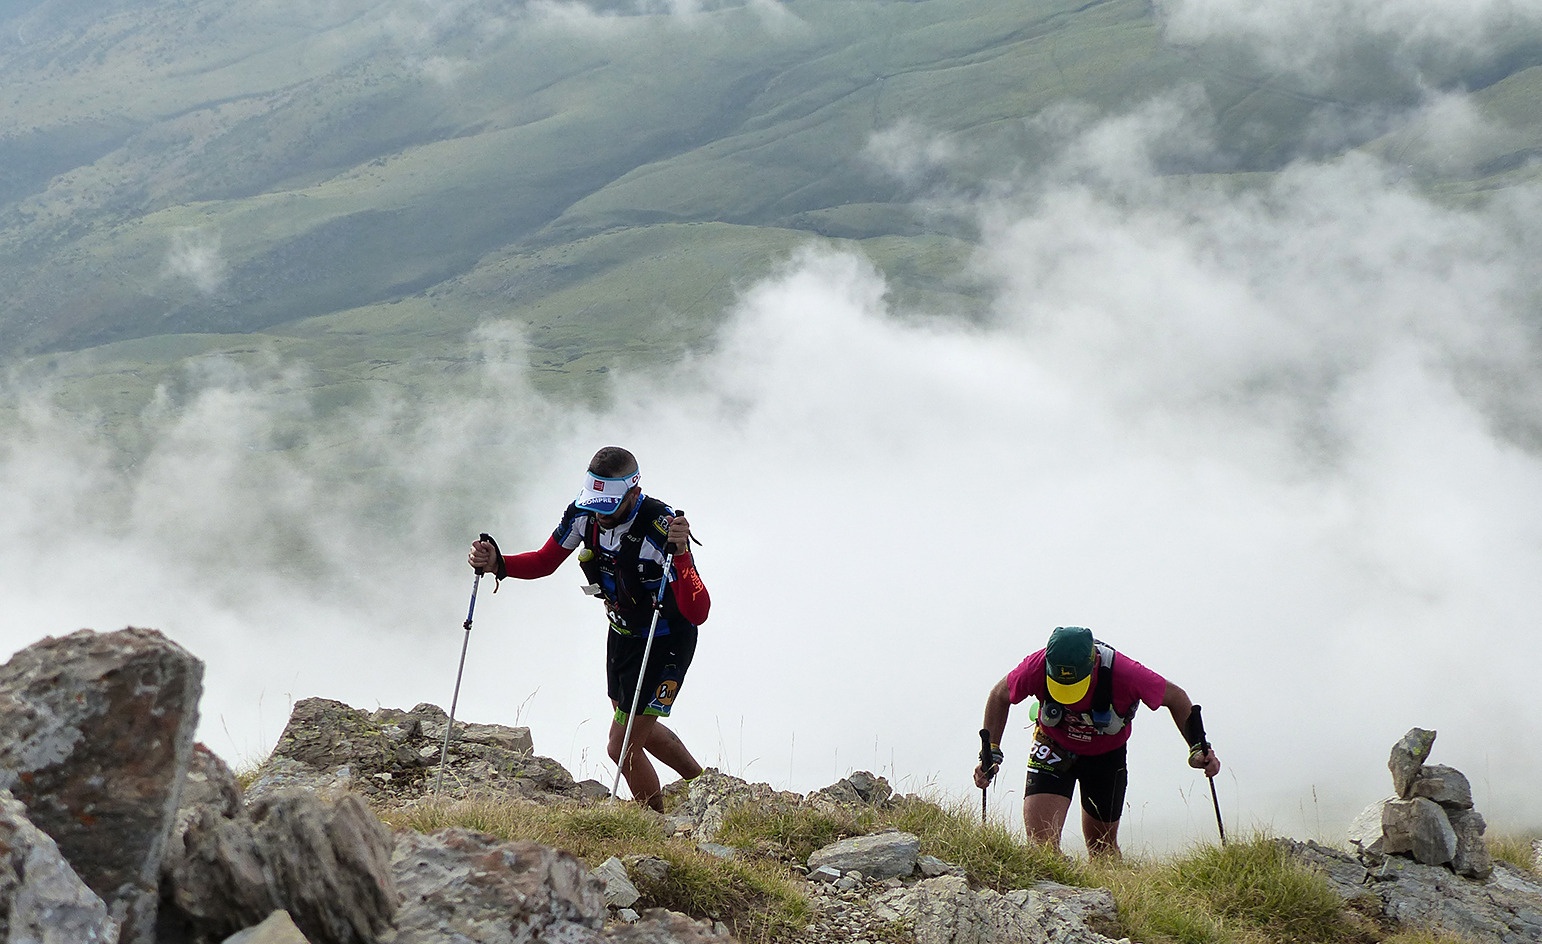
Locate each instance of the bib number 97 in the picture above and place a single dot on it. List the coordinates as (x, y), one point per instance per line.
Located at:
(1048, 756)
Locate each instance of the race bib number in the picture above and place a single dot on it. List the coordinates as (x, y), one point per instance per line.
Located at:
(1047, 756)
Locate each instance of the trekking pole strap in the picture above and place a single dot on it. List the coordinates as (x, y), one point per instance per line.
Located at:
(500, 566)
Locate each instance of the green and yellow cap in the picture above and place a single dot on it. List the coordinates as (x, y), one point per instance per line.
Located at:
(1068, 661)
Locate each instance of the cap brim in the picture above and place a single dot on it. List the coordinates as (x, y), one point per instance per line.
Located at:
(599, 504)
(1068, 694)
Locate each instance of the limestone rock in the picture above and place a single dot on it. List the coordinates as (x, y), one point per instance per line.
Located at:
(712, 794)
(1093, 907)
(100, 728)
(647, 868)
(392, 755)
(1418, 827)
(1505, 909)
(931, 867)
(210, 782)
(1365, 833)
(1445, 785)
(1472, 857)
(1408, 757)
(870, 788)
(329, 866)
(878, 856)
(42, 900)
(278, 928)
(460, 885)
(860, 789)
(944, 910)
(619, 890)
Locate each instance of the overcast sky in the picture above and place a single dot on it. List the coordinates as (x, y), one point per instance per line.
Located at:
(1282, 446)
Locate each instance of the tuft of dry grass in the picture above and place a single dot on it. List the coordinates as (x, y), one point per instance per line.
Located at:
(1515, 850)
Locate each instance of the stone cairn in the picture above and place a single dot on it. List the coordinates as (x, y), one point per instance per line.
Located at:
(1429, 819)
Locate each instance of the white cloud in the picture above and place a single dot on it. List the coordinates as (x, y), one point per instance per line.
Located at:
(1308, 37)
(1278, 442)
(909, 153)
(1448, 136)
(194, 255)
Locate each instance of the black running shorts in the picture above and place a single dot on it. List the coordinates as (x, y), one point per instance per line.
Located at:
(1103, 778)
(667, 662)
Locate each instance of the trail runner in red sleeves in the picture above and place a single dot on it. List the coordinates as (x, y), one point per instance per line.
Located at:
(1087, 696)
(624, 534)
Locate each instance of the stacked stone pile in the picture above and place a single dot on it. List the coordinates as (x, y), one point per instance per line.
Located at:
(1430, 818)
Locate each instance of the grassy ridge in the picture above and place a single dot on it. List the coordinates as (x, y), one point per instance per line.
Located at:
(1249, 892)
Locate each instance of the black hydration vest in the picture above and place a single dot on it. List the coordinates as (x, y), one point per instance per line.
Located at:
(1100, 717)
(630, 603)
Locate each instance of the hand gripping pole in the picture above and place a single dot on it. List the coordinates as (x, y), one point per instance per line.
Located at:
(444, 752)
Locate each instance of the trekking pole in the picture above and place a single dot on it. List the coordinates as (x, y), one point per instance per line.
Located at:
(1197, 727)
(444, 752)
(642, 671)
(985, 765)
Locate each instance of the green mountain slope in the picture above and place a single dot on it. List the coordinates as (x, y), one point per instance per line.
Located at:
(359, 183)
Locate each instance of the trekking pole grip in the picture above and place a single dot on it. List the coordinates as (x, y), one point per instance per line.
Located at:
(1196, 731)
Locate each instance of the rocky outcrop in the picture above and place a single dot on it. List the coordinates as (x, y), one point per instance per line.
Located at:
(392, 756)
(945, 910)
(1430, 818)
(462, 883)
(99, 728)
(1402, 893)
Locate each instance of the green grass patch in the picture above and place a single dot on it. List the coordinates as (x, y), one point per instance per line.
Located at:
(792, 834)
(990, 853)
(1248, 892)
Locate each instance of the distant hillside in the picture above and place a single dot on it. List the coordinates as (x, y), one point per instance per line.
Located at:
(358, 183)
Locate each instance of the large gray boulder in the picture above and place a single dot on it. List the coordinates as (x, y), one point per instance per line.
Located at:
(42, 900)
(327, 865)
(461, 885)
(99, 728)
(876, 856)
